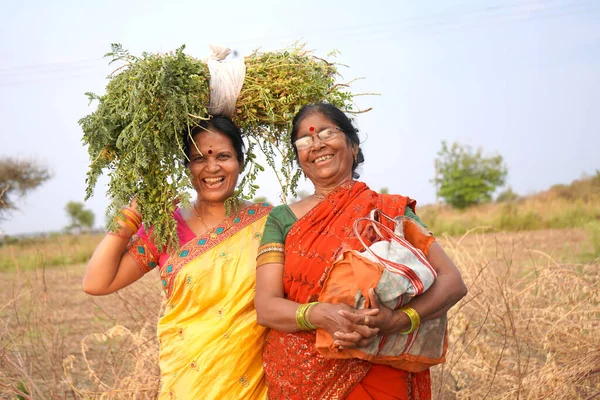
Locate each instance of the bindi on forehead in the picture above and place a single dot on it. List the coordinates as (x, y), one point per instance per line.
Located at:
(311, 129)
(210, 151)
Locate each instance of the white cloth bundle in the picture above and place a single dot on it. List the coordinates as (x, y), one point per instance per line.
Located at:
(226, 80)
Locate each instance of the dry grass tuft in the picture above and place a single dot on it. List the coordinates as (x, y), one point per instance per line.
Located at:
(529, 328)
(118, 363)
(56, 342)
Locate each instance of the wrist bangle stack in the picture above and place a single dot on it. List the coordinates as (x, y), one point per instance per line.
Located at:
(302, 316)
(132, 219)
(415, 320)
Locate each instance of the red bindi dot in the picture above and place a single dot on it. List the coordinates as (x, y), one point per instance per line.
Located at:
(209, 151)
(312, 129)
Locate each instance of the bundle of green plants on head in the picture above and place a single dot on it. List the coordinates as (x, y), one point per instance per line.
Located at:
(151, 103)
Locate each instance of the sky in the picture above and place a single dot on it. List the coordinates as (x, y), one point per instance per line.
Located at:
(516, 77)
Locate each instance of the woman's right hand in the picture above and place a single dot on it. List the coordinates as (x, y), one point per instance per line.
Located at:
(344, 332)
(111, 267)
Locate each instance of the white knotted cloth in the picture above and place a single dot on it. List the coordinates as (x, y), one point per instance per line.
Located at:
(226, 80)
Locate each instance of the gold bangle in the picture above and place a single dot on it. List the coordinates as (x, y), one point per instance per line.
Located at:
(305, 316)
(136, 213)
(131, 225)
(135, 217)
(129, 215)
(299, 320)
(415, 319)
(302, 316)
(126, 222)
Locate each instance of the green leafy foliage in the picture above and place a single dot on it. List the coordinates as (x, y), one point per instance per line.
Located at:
(465, 177)
(276, 87)
(136, 134)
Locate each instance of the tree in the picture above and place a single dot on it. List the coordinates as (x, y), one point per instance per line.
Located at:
(465, 177)
(18, 177)
(507, 196)
(79, 216)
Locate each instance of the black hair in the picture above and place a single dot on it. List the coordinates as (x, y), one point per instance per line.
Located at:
(219, 123)
(340, 119)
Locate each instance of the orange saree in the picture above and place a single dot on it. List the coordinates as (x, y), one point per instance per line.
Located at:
(293, 367)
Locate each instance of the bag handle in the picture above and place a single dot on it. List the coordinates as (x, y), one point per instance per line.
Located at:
(398, 237)
(407, 272)
(377, 212)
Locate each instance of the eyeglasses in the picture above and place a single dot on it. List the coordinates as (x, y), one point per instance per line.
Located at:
(324, 136)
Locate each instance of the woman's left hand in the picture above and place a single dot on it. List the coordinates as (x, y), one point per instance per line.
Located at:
(386, 320)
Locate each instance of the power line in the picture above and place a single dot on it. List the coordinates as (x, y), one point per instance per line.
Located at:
(499, 12)
(469, 24)
(461, 19)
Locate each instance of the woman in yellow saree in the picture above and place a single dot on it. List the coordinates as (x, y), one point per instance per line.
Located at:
(210, 343)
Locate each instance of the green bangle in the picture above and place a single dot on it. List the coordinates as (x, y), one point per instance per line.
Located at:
(415, 319)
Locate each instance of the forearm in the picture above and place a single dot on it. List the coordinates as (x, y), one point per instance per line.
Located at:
(102, 268)
(445, 292)
(277, 313)
(274, 311)
(447, 289)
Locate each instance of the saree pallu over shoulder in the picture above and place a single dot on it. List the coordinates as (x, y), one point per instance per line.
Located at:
(315, 240)
(210, 343)
(294, 369)
(209, 240)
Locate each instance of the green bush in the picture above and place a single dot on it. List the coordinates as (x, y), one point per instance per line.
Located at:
(464, 177)
(507, 195)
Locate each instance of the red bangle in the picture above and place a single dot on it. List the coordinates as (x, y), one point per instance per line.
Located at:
(130, 224)
(134, 213)
(130, 214)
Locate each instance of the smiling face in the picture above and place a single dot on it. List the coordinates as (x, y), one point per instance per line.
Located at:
(215, 169)
(326, 164)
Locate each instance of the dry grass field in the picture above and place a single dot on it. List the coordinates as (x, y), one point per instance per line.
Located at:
(50, 250)
(529, 328)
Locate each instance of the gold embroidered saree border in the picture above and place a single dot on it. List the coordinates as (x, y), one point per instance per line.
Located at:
(205, 242)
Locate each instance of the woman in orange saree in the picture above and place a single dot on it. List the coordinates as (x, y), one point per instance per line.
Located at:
(299, 245)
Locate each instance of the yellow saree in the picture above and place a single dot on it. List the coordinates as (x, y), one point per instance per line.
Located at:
(210, 343)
